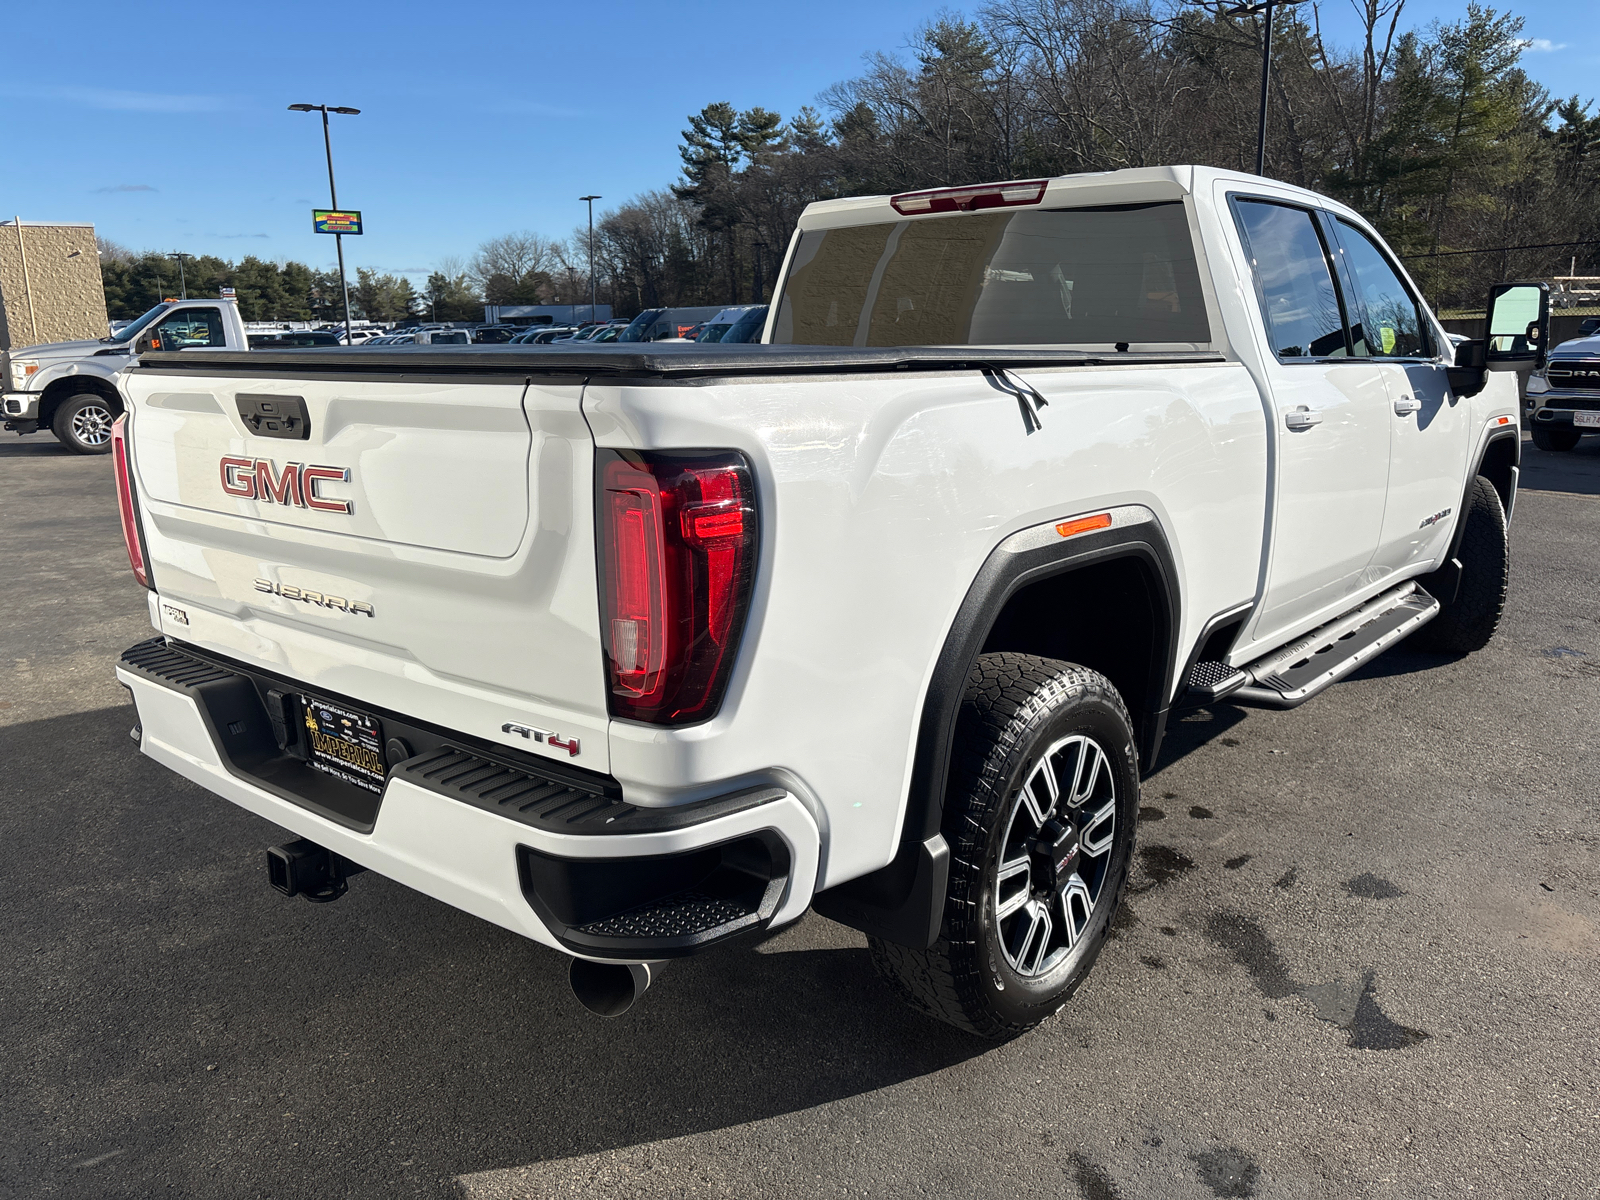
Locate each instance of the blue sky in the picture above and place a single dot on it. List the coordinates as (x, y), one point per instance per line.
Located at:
(476, 120)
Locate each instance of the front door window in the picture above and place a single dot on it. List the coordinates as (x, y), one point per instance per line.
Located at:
(1391, 325)
(190, 327)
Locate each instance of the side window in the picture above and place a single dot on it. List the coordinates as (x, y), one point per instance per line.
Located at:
(1300, 304)
(1391, 326)
(189, 327)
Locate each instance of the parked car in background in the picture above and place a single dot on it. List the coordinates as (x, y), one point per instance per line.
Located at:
(748, 327)
(434, 337)
(295, 337)
(725, 320)
(1564, 395)
(584, 333)
(661, 324)
(639, 328)
(548, 334)
(495, 335)
(71, 388)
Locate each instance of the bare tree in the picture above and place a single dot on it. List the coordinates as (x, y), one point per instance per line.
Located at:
(113, 251)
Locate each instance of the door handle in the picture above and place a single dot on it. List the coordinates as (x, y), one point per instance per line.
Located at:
(1406, 405)
(1301, 418)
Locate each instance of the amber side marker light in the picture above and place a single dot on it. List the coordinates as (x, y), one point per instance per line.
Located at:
(1503, 421)
(1084, 524)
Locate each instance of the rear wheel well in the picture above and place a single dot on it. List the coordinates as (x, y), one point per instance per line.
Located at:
(76, 385)
(1108, 616)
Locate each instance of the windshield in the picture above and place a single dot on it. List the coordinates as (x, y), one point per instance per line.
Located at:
(128, 332)
(1085, 276)
(713, 333)
(748, 327)
(640, 325)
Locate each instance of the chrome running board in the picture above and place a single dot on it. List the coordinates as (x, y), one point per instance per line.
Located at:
(1299, 671)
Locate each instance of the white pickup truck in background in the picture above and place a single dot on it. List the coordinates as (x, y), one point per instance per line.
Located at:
(71, 388)
(636, 652)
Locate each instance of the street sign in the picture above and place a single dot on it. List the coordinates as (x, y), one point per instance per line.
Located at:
(327, 220)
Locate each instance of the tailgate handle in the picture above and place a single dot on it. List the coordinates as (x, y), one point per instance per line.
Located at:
(275, 416)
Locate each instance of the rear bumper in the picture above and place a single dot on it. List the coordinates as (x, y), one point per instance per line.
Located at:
(681, 880)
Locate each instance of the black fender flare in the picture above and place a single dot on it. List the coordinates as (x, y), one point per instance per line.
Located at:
(1445, 580)
(904, 901)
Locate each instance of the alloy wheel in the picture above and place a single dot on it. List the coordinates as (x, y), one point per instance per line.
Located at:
(91, 425)
(1056, 855)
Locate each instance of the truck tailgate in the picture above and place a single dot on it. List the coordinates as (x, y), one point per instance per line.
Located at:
(422, 545)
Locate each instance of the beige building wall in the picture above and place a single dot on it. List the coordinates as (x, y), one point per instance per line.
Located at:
(50, 286)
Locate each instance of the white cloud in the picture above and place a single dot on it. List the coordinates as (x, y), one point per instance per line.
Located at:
(118, 100)
(1540, 45)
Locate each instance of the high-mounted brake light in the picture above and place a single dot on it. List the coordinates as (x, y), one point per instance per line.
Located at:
(132, 533)
(678, 546)
(966, 199)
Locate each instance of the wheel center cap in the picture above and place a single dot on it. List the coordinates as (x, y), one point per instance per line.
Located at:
(1054, 853)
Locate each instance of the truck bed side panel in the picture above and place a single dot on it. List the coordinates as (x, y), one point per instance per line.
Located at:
(881, 498)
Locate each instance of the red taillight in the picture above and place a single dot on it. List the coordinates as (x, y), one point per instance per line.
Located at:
(678, 545)
(966, 199)
(132, 535)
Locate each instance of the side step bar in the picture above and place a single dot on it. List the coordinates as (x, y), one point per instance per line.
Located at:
(1324, 656)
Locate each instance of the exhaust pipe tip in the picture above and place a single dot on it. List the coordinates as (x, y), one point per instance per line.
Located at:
(610, 989)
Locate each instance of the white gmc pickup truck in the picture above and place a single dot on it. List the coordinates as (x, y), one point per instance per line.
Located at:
(637, 651)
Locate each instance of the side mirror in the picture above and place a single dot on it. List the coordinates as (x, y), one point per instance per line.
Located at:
(1518, 323)
(1469, 372)
(145, 343)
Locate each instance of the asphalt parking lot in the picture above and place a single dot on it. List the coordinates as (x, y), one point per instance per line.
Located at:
(1360, 961)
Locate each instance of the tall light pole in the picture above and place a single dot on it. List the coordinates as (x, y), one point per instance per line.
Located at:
(183, 285)
(591, 200)
(1250, 10)
(333, 196)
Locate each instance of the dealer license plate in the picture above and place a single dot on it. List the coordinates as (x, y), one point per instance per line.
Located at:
(347, 745)
(1586, 420)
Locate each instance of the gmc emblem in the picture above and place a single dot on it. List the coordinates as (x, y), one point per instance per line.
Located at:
(295, 485)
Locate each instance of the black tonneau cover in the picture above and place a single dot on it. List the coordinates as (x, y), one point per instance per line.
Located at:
(661, 362)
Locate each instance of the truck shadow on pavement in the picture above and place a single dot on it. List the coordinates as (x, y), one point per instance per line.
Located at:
(386, 1043)
(37, 445)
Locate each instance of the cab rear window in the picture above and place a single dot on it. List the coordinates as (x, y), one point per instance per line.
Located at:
(1091, 277)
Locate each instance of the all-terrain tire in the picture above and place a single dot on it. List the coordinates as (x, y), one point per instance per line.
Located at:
(1555, 440)
(1016, 710)
(82, 423)
(1468, 622)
